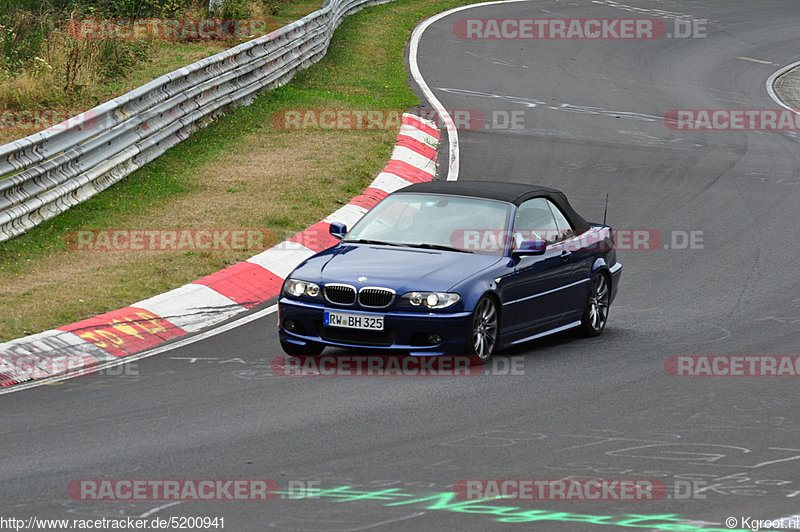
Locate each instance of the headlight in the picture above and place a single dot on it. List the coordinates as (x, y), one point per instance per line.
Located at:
(429, 299)
(298, 288)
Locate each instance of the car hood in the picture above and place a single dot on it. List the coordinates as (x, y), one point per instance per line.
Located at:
(399, 268)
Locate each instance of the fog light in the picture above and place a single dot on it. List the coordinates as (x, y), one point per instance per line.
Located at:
(434, 339)
(289, 325)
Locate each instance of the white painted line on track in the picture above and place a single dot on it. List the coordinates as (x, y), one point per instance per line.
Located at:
(158, 509)
(761, 61)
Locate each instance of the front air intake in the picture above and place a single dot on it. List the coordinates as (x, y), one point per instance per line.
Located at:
(375, 297)
(340, 294)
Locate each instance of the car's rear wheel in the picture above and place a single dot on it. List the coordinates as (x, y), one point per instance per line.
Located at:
(311, 349)
(595, 315)
(483, 333)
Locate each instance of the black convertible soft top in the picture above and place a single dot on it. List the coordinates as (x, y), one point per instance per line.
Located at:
(514, 193)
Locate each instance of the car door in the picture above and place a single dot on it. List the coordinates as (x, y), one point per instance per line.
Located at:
(578, 260)
(534, 297)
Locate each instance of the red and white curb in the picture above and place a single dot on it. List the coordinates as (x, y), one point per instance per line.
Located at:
(73, 348)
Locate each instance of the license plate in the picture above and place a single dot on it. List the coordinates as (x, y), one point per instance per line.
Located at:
(354, 321)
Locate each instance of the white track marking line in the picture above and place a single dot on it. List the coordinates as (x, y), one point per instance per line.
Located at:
(373, 525)
(158, 508)
(761, 61)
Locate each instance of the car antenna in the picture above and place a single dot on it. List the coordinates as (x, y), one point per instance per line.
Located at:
(605, 212)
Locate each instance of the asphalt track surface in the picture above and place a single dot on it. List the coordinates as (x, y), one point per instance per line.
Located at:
(603, 407)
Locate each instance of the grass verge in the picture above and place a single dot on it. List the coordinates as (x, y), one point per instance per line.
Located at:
(239, 172)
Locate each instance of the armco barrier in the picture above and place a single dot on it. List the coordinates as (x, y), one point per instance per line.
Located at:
(216, 297)
(48, 172)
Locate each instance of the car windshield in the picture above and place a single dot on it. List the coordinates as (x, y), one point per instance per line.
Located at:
(435, 221)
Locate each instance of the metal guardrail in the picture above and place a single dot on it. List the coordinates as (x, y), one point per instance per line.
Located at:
(44, 174)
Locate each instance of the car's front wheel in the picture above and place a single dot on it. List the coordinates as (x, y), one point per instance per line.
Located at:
(311, 349)
(484, 331)
(595, 315)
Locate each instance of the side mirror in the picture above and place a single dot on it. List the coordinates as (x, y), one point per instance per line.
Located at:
(338, 230)
(530, 247)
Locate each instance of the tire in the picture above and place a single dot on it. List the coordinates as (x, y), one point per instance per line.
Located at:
(483, 332)
(595, 315)
(309, 350)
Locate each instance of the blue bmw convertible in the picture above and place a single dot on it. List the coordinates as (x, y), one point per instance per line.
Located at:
(453, 267)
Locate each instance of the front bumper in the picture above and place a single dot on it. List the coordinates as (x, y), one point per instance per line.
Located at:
(403, 330)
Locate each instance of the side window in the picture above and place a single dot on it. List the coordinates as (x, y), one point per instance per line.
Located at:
(535, 221)
(565, 230)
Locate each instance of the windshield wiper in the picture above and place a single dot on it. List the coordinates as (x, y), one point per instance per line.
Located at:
(438, 247)
(405, 245)
(367, 241)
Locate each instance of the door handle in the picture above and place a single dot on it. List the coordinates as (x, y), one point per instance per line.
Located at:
(565, 254)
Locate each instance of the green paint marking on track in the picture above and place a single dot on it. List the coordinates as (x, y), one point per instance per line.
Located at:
(446, 501)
